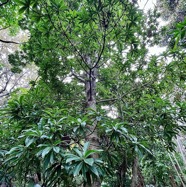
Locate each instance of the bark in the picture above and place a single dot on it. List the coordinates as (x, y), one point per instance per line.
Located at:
(92, 136)
(36, 178)
(172, 181)
(135, 173)
(141, 182)
(122, 172)
(137, 177)
(154, 180)
(90, 85)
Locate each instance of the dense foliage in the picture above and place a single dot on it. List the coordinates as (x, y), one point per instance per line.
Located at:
(104, 111)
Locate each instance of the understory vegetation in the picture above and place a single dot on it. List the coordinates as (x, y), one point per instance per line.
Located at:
(103, 109)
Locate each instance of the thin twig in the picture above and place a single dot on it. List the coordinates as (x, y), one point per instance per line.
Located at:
(119, 98)
(4, 28)
(4, 3)
(68, 39)
(12, 42)
(101, 51)
(78, 77)
(145, 4)
(6, 84)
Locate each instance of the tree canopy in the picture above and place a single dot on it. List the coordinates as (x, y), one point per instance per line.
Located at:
(104, 110)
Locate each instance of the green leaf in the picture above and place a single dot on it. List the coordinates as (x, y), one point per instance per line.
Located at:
(99, 161)
(90, 152)
(22, 9)
(21, 2)
(89, 161)
(108, 130)
(45, 137)
(48, 2)
(94, 170)
(124, 130)
(46, 161)
(79, 120)
(77, 169)
(51, 157)
(56, 149)
(85, 147)
(78, 152)
(29, 141)
(46, 151)
(145, 148)
(73, 158)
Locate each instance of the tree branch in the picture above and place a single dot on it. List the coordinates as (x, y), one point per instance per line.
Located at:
(6, 84)
(12, 87)
(107, 100)
(4, 28)
(16, 82)
(5, 41)
(78, 53)
(101, 51)
(130, 91)
(145, 4)
(78, 77)
(4, 3)
(5, 72)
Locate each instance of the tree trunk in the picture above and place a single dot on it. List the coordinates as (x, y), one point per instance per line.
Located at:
(137, 177)
(154, 181)
(172, 181)
(92, 136)
(122, 172)
(90, 86)
(141, 182)
(134, 173)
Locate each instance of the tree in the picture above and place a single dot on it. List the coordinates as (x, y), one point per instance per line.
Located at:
(11, 77)
(174, 13)
(173, 10)
(101, 47)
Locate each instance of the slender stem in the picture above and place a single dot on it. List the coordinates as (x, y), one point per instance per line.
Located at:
(6, 41)
(4, 3)
(176, 170)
